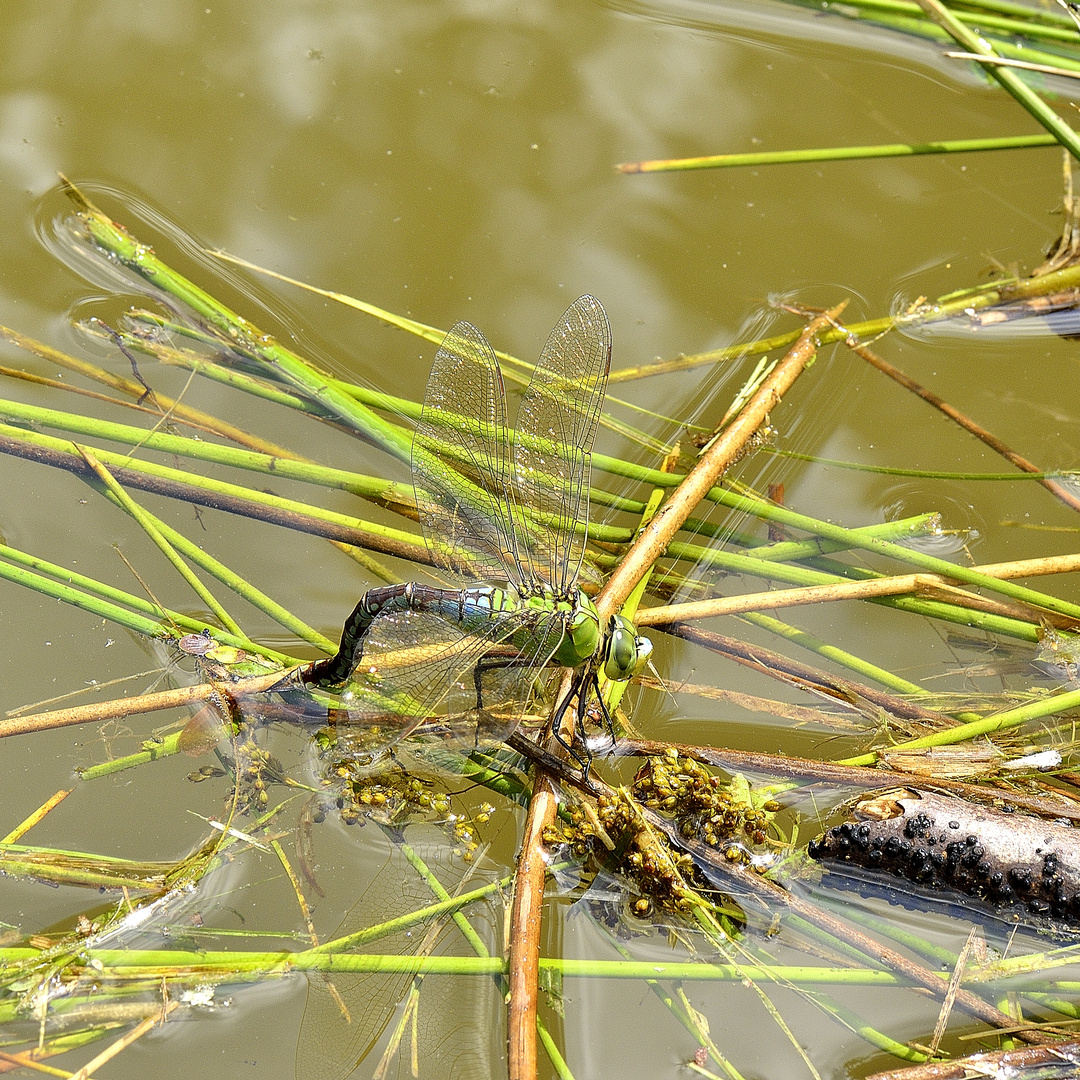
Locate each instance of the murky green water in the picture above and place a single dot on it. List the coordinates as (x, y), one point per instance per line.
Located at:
(455, 160)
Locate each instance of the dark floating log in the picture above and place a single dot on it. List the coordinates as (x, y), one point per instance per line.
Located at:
(1017, 865)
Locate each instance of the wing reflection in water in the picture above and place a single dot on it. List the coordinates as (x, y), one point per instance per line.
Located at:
(393, 1024)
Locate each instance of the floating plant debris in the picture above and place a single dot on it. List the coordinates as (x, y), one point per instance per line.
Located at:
(1016, 864)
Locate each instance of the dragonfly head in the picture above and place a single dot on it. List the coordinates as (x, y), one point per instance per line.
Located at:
(625, 652)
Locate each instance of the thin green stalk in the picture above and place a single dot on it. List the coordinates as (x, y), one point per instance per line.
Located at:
(945, 307)
(837, 153)
(1022, 25)
(148, 524)
(1055, 1004)
(943, 957)
(748, 564)
(1009, 79)
(688, 1021)
(140, 259)
(839, 656)
(240, 586)
(140, 438)
(206, 483)
(167, 406)
(479, 948)
(986, 726)
(866, 1031)
(783, 516)
(919, 474)
(118, 243)
(237, 380)
(414, 918)
(515, 370)
(75, 876)
(558, 1062)
(119, 961)
(94, 602)
(920, 26)
(152, 750)
(1049, 16)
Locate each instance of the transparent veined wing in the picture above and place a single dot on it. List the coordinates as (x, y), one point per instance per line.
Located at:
(418, 664)
(348, 1015)
(555, 430)
(461, 460)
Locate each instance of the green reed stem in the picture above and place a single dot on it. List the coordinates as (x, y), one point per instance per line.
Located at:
(478, 947)
(148, 523)
(140, 438)
(120, 961)
(117, 242)
(839, 656)
(986, 726)
(922, 27)
(233, 491)
(152, 750)
(93, 596)
(1022, 23)
(783, 516)
(945, 307)
(244, 589)
(866, 1031)
(921, 474)
(837, 153)
(1009, 79)
(445, 906)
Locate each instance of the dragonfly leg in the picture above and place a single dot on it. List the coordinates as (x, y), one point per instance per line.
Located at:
(609, 723)
(578, 693)
(483, 665)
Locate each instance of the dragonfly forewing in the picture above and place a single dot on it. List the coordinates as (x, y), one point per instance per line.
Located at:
(555, 430)
(461, 460)
(421, 665)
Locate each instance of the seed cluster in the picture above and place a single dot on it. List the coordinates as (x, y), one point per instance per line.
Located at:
(700, 803)
(255, 767)
(395, 797)
(619, 839)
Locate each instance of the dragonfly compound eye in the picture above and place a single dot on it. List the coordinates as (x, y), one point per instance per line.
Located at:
(626, 654)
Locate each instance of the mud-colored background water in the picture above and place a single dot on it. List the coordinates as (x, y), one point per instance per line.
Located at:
(455, 160)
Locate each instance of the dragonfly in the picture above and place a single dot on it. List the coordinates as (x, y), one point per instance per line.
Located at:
(510, 512)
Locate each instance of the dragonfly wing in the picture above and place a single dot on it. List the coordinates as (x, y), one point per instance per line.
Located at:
(418, 664)
(555, 430)
(347, 1014)
(461, 459)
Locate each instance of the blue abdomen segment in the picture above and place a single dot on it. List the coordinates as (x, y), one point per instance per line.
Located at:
(471, 609)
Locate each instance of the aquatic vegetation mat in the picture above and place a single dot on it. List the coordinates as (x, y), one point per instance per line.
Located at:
(480, 689)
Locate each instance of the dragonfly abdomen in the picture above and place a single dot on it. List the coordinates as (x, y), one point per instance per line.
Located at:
(471, 609)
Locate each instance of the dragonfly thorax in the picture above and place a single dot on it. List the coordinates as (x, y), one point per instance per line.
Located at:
(621, 651)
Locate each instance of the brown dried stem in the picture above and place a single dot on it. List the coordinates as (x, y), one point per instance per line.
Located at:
(995, 1063)
(118, 708)
(995, 444)
(896, 585)
(813, 680)
(652, 541)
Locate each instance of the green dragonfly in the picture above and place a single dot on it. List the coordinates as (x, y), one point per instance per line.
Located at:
(510, 513)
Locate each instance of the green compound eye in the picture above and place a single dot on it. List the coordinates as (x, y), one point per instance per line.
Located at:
(627, 653)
